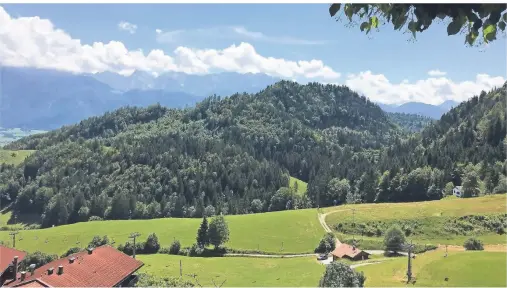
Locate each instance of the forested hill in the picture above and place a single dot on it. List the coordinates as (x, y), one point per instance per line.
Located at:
(230, 155)
(235, 155)
(410, 122)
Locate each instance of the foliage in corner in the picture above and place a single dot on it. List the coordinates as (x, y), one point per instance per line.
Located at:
(480, 22)
(339, 274)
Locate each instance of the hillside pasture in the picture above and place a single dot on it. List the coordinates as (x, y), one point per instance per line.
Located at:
(14, 157)
(286, 232)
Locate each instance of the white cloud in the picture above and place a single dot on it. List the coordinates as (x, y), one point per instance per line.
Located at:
(230, 32)
(35, 42)
(126, 26)
(436, 73)
(431, 91)
(158, 31)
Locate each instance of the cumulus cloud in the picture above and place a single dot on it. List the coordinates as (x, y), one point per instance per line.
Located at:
(158, 31)
(126, 26)
(431, 91)
(230, 32)
(35, 42)
(436, 73)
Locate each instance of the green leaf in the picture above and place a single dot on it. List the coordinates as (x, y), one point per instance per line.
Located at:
(364, 25)
(399, 22)
(489, 33)
(454, 27)
(501, 25)
(441, 15)
(505, 17)
(374, 21)
(334, 8)
(412, 26)
(349, 11)
(471, 37)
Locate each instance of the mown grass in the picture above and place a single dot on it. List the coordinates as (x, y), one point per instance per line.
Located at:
(287, 232)
(463, 269)
(238, 272)
(301, 185)
(431, 217)
(14, 157)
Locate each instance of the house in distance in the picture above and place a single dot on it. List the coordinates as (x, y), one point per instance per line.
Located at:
(345, 251)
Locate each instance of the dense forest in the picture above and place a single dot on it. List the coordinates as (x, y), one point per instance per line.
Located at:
(235, 155)
(410, 122)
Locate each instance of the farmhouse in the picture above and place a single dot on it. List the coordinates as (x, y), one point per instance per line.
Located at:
(349, 252)
(9, 262)
(103, 266)
(457, 191)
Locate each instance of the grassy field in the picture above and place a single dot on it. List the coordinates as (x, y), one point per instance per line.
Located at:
(14, 157)
(430, 217)
(301, 186)
(299, 231)
(238, 272)
(463, 269)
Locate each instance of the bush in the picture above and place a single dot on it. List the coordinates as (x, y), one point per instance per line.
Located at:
(175, 247)
(195, 250)
(147, 280)
(394, 239)
(129, 249)
(95, 218)
(326, 244)
(339, 274)
(473, 244)
(97, 241)
(72, 250)
(38, 258)
(151, 245)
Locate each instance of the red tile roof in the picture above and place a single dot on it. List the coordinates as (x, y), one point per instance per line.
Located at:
(105, 267)
(7, 255)
(346, 250)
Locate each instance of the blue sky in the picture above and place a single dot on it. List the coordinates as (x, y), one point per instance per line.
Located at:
(286, 31)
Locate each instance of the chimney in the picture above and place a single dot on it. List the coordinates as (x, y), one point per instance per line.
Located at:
(23, 275)
(90, 250)
(60, 270)
(71, 260)
(50, 271)
(15, 268)
(31, 269)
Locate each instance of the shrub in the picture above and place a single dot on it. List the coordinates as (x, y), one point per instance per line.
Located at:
(394, 239)
(195, 250)
(72, 250)
(339, 274)
(473, 244)
(95, 218)
(175, 247)
(326, 244)
(38, 258)
(97, 241)
(151, 245)
(147, 280)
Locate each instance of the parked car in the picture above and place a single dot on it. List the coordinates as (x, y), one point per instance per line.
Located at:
(322, 257)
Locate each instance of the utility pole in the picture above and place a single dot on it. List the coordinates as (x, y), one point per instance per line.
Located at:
(13, 234)
(445, 250)
(353, 225)
(181, 269)
(134, 236)
(409, 265)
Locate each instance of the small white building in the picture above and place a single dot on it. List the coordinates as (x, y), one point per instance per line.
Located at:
(457, 191)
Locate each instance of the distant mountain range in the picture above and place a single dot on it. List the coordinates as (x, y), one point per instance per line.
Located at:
(48, 99)
(428, 110)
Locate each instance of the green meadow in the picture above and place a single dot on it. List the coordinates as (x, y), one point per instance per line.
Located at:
(286, 232)
(462, 269)
(301, 186)
(14, 157)
(236, 271)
